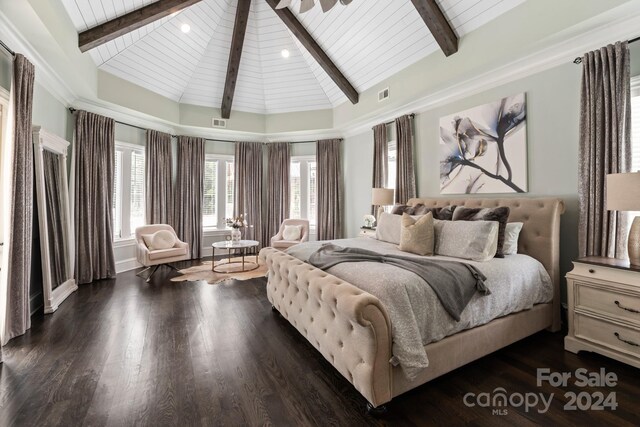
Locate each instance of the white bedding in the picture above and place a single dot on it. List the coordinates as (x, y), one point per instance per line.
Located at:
(517, 282)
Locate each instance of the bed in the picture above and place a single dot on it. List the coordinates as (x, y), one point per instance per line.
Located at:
(352, 328)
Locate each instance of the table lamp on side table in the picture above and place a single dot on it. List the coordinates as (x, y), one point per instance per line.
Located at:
(623, 194)
(381, 197)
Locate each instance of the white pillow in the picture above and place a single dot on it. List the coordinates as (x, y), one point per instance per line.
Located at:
(148, 240)
(163, 239)
(473, 240)
(389, 227)
(292, 232)
(511, 234)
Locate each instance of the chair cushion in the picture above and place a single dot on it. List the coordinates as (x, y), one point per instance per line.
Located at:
(167, 253)
(284, 243)
(292, 232)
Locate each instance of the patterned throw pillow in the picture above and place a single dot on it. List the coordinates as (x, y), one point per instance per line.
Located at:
(444, 213)
(417, 235)
(500, 214)
(474, 240)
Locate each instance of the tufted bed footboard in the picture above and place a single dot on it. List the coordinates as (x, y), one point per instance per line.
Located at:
(348, 326)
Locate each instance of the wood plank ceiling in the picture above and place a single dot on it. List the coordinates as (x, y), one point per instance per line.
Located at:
(368, 41)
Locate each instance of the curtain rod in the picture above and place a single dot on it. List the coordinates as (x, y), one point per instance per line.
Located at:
(578, 60)
(7, 48)
(412, 115)
(73, 110)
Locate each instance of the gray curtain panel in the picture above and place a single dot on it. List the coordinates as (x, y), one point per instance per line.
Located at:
(159, 196)
(19, 271)
(279, 165)
(405, 173)
(329, 164)
(189, 193)
(605, 148)
(94, 166)
(248, 188)
(55, 222)
(380, 158)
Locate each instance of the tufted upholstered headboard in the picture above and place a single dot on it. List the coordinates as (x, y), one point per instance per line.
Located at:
(540, 235)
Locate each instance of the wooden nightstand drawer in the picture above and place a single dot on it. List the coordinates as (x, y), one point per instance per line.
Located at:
(608, 302)
(614, 336)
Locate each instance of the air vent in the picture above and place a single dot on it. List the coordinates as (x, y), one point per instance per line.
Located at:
(383, 95)
(219, 123)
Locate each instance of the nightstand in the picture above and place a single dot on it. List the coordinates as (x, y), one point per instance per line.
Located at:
(367, 232)
(603, 295)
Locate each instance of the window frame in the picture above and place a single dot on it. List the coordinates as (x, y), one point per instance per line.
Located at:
(126, 233)
(304, 186)
(221, 191)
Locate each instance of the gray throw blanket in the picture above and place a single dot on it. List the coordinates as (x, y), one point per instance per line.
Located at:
(455, 283)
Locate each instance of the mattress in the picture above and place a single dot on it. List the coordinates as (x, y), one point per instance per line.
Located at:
(517, 282)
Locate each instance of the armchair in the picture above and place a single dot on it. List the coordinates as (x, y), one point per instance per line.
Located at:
(278, 242)
(152, 259)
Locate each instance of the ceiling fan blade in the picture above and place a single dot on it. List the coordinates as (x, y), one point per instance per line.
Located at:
(345, 2)
(306, 5)
(327, 4)
(283, 4)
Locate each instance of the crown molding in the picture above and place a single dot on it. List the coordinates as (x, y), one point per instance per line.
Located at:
(621, 23)
(45, 74)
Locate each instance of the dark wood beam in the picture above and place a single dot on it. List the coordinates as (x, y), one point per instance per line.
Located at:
(438, 25)
(315, 50)
(239, 31)
(124, 24)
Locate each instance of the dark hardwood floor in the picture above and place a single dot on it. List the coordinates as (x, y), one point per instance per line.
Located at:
(124, 352)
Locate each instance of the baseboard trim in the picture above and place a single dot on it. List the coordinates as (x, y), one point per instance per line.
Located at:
(127, 265)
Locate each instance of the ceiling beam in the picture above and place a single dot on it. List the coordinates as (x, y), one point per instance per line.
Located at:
(315, 50)
(239, 31)
(438, 25)
(133, 20)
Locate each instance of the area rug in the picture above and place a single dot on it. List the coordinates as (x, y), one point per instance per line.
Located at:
(204, 273)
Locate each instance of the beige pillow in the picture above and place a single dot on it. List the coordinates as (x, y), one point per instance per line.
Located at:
(388, 228)
(417, 234)
(148, 240)
(163, 239)
(474, 240)
(291, 232)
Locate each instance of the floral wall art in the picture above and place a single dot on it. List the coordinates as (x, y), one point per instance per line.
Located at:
(484, 149)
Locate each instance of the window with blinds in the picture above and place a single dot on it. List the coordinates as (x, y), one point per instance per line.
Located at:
(303, 189)
(209, 207)
(635, 124)
(218, 191)
(128, 190)
(116, 214)
(392, 153)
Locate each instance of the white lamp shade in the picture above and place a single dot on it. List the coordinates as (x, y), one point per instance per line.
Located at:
(382, 196)
(623, 192)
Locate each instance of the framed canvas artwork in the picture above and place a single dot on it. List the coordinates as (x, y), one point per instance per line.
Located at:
(484, 149)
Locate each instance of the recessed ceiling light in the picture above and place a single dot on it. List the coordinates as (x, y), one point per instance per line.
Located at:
(185, 28)
(285, 53)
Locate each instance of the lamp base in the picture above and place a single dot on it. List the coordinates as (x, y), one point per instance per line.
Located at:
(634, 242)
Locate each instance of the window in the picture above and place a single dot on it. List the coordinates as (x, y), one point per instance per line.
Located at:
(128, 190)
(303, 189)
(218, 191)
(392, 161)
(635, 124)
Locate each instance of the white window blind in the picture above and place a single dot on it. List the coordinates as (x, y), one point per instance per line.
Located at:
(296, 196)
(635, 125)
(392, 153)
(209, 208)
(137, 202)
(117, 195)
(128, 190)
(230, 184)
(303, 189)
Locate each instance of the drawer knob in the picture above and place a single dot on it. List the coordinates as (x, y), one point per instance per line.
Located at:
(626, 341)
(631, 310)
(591, 270)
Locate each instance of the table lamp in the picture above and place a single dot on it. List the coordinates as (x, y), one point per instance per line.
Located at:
(623, 194)
(382, 197)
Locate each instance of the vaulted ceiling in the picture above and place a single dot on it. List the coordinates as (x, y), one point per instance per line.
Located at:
(368, 41)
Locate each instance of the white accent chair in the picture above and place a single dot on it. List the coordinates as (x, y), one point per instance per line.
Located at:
(152, 259)
(278, 241)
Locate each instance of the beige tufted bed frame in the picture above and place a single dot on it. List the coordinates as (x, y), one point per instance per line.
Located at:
(351, 327)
